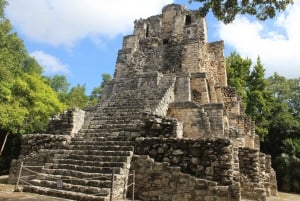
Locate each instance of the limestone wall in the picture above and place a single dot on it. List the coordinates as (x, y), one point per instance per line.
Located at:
(199, 121)
(34, 142)
(182, 89)
(210, 159)
(249, 163)
(162, 107)
(158, 126)
(191, 51)
(256, 175)
(36, 150)
(195, 120)
(217, 62)
(67, 123)
(215, 112)
(199, 88)
(160, 181)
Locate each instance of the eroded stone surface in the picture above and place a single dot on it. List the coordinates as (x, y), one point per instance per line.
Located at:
(168, 114)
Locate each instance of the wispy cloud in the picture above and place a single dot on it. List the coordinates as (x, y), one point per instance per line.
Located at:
(50, 63)
(277, 42)
(64, 22)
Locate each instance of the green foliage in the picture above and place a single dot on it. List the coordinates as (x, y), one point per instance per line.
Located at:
(97, 91)
(294, 100)
(12, 116)
(226, 10)
(12, 52)
(288, 166)
(77, 97)
(251, 86)
(3, 3)
(238, 70)
(284, 122)
(259, 99)
(41, 102)
(59, 84)
(26, 101)
(32, 67)
(274, 105)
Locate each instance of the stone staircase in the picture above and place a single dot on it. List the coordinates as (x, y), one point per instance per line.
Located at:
(103, 146)
(85, 169)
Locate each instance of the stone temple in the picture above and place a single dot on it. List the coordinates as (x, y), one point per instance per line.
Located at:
(168, 116)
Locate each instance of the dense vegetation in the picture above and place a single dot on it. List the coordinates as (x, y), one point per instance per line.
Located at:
(226, 10)
(274, 104)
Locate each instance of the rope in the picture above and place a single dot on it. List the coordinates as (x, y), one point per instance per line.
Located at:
(27, 168)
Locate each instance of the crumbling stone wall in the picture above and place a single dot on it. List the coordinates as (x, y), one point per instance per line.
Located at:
(160, 181)
(170, 99)
(217, 62)
(165, 127)
(198, 124)
(204, 158)
(257, 179)
(36, 150)
(68, 123)
(35, 142)
(199, 120)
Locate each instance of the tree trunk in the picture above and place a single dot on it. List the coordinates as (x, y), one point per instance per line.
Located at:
(4, 142)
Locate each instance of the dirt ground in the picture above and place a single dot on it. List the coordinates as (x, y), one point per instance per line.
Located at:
(7, 194)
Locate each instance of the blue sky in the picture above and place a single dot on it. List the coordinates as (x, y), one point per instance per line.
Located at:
(80, 39)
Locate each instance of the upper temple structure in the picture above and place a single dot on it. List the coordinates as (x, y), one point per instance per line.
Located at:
(168, 127)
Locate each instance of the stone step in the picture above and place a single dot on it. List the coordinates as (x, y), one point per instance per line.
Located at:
(93, 158)
(73, 173)
(95, 152)
(100, 136)
(113, 126)
(84, 137)
(100, 147)
(72, 187)
(87, 177)
(98, 133)
(64, 153)
(124, 107)
(99, 182)
(51, 167)
(89, 163)
(117, 117)
(102, 142)
(120, 137)
(63, 194)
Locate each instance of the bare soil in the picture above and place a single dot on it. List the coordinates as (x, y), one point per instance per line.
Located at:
(7, 193)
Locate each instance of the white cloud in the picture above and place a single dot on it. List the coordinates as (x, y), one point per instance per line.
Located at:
(63, 22)
(50, 63)
(277, 42)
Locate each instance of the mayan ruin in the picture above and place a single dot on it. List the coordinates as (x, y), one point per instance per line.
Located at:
(168, 127)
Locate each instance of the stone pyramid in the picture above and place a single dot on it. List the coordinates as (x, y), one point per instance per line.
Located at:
(168, 116)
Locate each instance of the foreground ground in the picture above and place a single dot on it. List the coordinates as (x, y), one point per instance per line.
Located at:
(7, 194)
